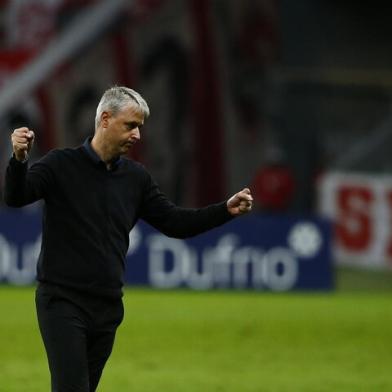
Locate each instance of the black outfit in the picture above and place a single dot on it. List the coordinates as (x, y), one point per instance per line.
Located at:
(88, 214)
(78, 332)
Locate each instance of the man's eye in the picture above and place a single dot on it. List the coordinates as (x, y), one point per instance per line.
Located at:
(131, 126)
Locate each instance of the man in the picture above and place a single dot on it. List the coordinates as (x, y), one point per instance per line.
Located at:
(93, 197)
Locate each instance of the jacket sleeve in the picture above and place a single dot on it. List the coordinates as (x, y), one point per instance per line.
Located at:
(176, 221)
(25, 185)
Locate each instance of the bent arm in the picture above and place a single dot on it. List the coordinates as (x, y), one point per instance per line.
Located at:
(24, 186)
(176, 221)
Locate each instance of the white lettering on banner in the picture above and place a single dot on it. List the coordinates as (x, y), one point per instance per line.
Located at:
(173, 263)
(284, 259)
(217, 260)
(7, 254)
(10, 271)
(135, 238)
(158, 245)
(26, 273)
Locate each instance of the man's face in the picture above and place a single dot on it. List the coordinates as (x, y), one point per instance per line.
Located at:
(122, 130)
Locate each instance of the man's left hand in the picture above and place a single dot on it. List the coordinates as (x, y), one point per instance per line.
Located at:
(240, 203)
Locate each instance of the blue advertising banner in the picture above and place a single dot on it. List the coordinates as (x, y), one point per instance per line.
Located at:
(253, 252)
(20, 244)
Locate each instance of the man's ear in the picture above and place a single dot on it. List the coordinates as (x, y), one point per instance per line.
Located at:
(105, 119)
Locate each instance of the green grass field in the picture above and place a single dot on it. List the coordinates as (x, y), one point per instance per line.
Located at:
(181, 341)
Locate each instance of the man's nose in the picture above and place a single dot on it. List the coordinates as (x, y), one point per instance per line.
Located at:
(135, 133)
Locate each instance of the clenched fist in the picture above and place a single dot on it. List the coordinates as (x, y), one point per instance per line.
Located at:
(22, 141)
(240, 203)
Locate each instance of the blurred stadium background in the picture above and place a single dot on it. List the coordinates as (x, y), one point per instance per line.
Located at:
(291, 98)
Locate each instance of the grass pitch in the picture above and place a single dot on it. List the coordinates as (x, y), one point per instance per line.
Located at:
(182, 341)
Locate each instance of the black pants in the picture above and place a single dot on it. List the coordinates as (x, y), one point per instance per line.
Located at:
(78, 333)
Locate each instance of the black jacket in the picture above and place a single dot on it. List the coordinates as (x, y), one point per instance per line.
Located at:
(89, 212)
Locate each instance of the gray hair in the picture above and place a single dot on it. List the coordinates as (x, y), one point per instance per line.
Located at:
(116, 98)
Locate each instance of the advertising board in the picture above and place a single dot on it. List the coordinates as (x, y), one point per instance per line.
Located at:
(360, 207)
(253, 252)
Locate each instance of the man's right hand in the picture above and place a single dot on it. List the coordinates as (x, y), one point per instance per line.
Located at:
(22, 141)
